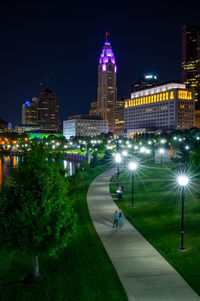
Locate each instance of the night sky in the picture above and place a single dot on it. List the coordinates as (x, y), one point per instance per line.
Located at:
(63, 42)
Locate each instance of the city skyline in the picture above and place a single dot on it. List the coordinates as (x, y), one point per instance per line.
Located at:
(67, 50)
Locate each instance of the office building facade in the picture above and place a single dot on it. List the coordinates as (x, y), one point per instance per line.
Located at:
(29, 112)
(191, 60)
(167, 106)
(48, 111)
(84, 126)
(119, 117)
(42, 112)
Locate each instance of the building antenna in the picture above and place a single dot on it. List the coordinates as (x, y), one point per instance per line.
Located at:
(47, 81)
(107, 36)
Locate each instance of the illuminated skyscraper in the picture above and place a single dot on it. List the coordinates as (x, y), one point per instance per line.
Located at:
(191, 60)
(42, 111)
(107, 86)
(29, 112)
(48, 111)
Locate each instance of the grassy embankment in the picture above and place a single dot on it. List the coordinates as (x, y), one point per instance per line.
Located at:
(82, 271)
(157, 215)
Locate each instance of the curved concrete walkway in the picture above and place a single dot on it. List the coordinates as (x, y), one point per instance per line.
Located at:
(144, 273)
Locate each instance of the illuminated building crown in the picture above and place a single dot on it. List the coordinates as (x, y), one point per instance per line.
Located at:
(107, 56)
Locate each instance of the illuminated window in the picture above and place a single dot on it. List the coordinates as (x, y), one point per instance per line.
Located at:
(126, 104)
(160, 96)
(151, 98)
(172, 95)
(167, 95)
(157, 97)
(154, 97)
(131, 102)
(139, 101)
(134, 102)
(163, 96)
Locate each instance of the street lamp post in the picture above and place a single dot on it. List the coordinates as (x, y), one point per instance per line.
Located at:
(132, 167)
(124, 154)
(182, 181)
(118, 160)
(161, 151)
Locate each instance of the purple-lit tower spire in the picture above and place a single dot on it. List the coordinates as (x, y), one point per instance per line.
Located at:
(107, 87)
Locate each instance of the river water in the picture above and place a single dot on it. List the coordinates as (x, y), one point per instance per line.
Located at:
(6, 162)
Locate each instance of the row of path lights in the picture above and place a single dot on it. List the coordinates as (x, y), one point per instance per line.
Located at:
(182, 181)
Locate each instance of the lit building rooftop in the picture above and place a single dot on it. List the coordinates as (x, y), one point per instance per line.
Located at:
(162, 87)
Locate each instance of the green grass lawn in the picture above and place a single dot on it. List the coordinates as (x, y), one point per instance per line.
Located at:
(157, 215)
(82, 271)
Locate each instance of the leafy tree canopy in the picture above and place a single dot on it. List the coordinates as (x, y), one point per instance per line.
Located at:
(35, 213)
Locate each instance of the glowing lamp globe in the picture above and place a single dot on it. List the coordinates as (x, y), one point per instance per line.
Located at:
(161, 150)
(118, 158)
(132, 165)
(142, 150)
(183, 180)
(124, 153)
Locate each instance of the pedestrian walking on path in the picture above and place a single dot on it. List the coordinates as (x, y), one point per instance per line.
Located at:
(116, 219)
(120, 222)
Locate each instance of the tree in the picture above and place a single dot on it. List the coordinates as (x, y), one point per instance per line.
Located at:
(35, 214)
(94, 162)
(195, 158)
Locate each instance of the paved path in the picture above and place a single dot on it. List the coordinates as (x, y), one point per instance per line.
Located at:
(144, 273)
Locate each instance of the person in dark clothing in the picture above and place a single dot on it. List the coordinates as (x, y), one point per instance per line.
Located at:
(120, 222)
(116, 219)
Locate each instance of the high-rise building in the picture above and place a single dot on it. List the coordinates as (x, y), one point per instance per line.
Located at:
(42, 112)
(3, 126)
(149, 80)
(48, 111)
(191, 60)
(93, 108)
(107, 86)
(167, 106)
(29, 112)
(119, 117)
